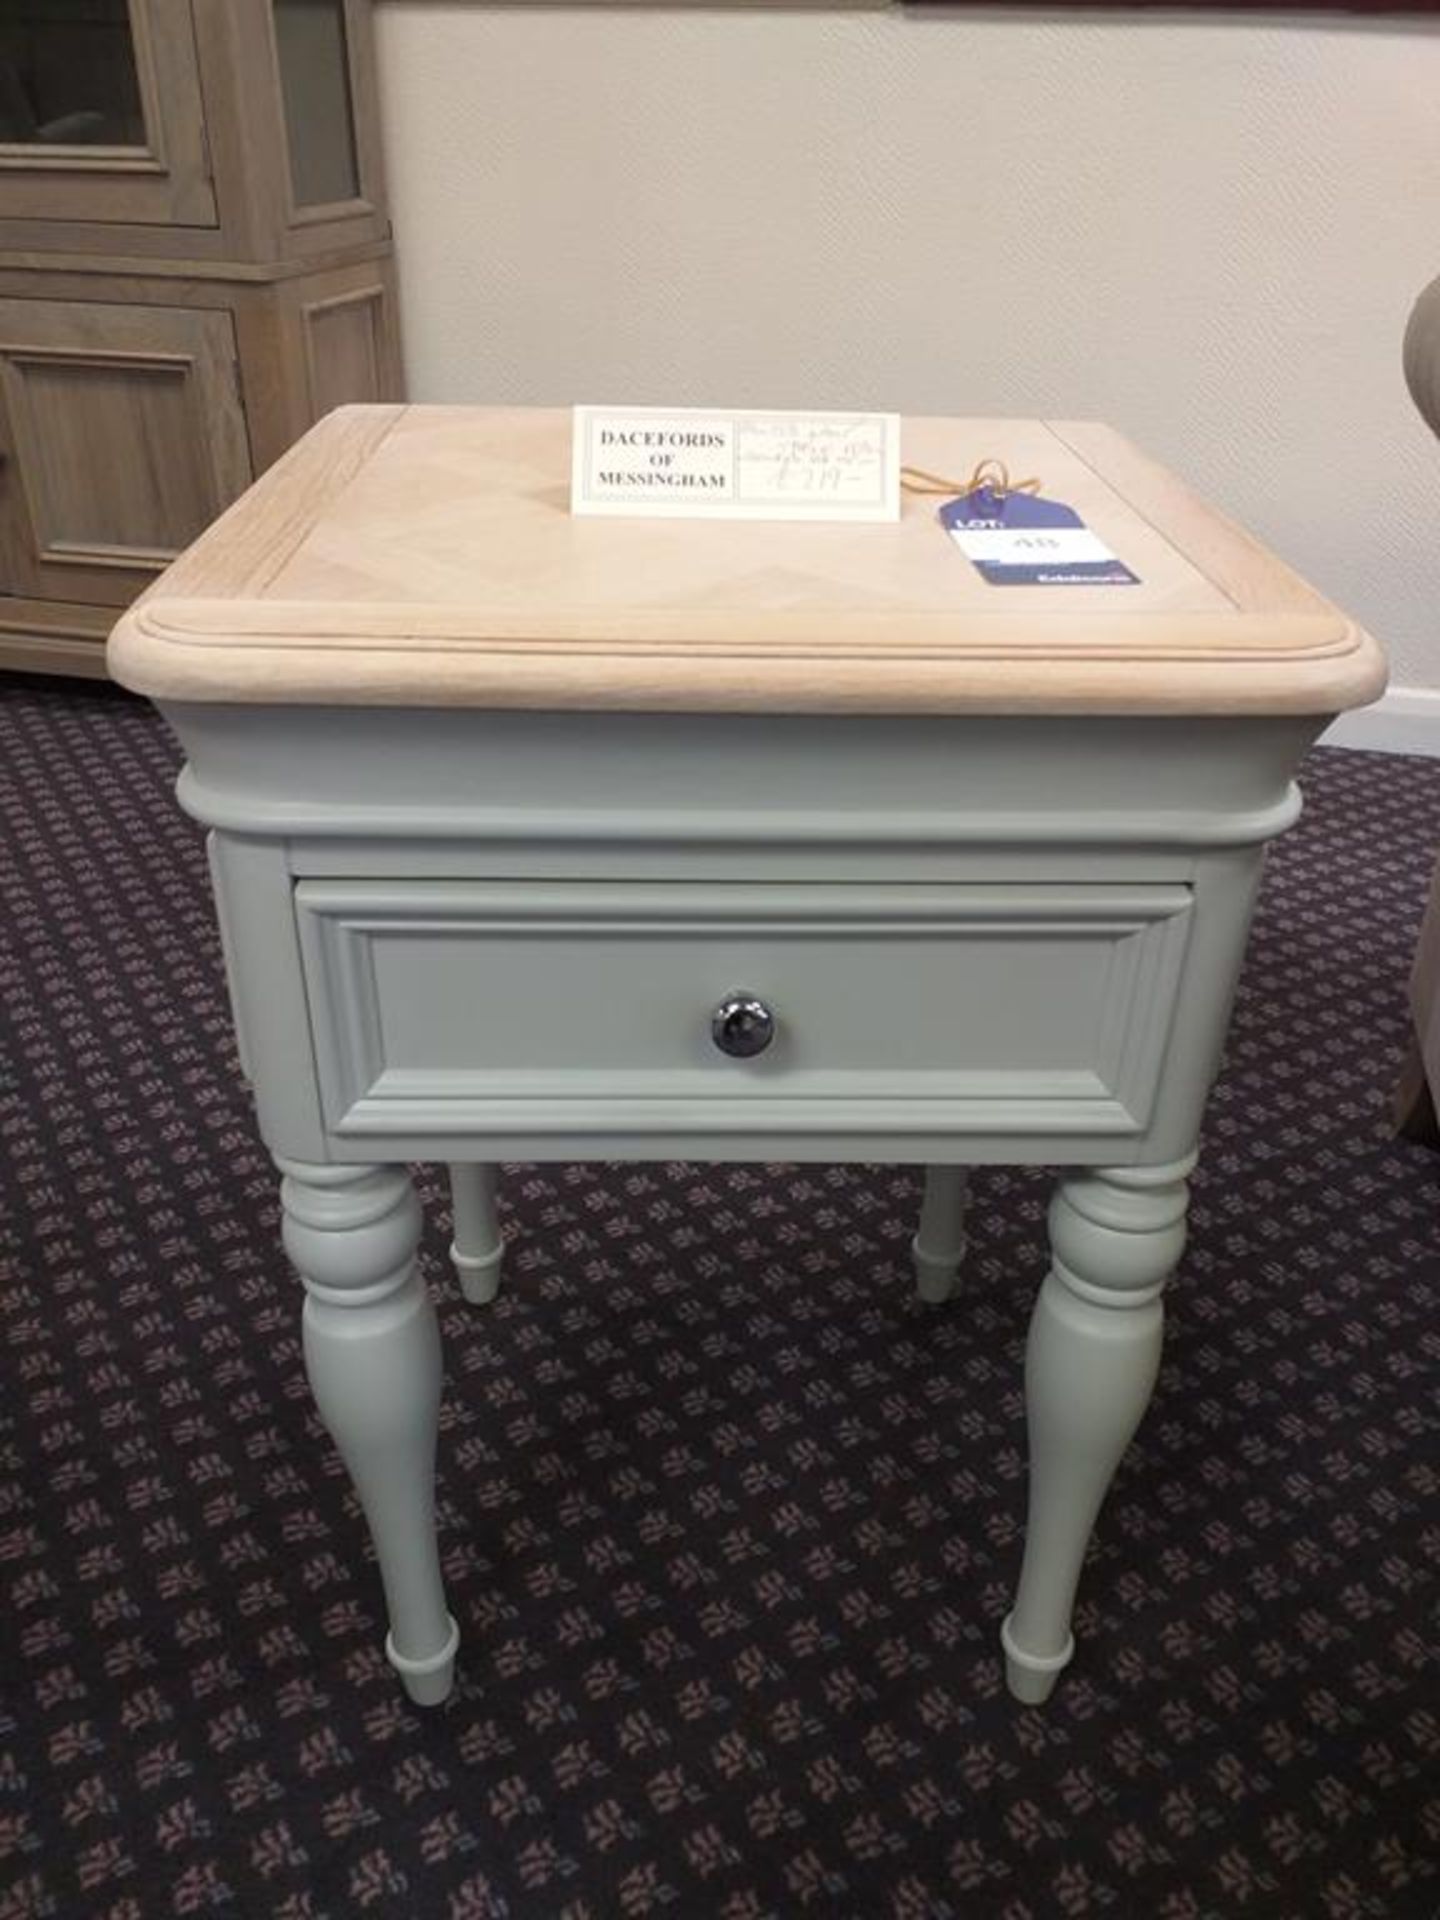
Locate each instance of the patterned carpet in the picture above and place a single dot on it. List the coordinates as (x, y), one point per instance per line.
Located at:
(729, 1519)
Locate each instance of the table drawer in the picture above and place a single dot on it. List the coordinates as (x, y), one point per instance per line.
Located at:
(459, 1007)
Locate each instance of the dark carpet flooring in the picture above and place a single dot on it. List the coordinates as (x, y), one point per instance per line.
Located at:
(729, 1520)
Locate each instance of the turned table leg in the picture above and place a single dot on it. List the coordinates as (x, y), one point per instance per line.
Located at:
(939, 1243)
(1090, 1368)
(372, 1352)
(476, 1248)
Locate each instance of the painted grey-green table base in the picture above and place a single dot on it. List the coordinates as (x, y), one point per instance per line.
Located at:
(476, 1248)
(995, 940)
(938, 1248)
(1090, 1367)
(1091, 1360)
(372, 1352)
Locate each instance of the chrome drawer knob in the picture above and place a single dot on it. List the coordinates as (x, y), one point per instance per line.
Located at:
(742, 1026)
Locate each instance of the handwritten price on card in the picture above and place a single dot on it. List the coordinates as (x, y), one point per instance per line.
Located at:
(840, 459)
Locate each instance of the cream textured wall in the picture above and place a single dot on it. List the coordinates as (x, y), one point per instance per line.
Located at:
(1208, 233)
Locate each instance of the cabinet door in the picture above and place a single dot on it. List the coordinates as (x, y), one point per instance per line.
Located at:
(123, 437)
(314, 50)
(100, 113)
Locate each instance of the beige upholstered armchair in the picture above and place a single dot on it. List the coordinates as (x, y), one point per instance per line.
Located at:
(1415, 1099)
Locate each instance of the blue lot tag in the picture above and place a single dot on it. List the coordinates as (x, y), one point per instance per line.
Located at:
(1017, 540)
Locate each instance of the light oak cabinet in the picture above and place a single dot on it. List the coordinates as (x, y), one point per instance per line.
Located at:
(195, 265)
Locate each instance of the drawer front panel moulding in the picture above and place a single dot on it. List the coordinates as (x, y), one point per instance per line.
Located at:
(475, 1004)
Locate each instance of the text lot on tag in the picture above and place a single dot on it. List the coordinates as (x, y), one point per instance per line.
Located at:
(1022, 540)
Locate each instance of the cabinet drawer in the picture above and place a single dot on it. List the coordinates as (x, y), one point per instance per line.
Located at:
(447, 1008)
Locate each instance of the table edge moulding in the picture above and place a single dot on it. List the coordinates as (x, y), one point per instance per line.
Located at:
(219, 624)
(860, 857)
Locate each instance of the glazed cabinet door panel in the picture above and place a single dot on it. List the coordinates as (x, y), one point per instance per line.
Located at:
(100, 113)
(123, 437)
(324, 66)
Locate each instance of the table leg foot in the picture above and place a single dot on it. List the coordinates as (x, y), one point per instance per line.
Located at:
(1031, 1677)
(477, 1249)
(939, 1244)
(1090, 1368)
(372, 1353)
(428, 1682)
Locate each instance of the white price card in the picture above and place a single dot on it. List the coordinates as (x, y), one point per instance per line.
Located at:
(695, 464)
